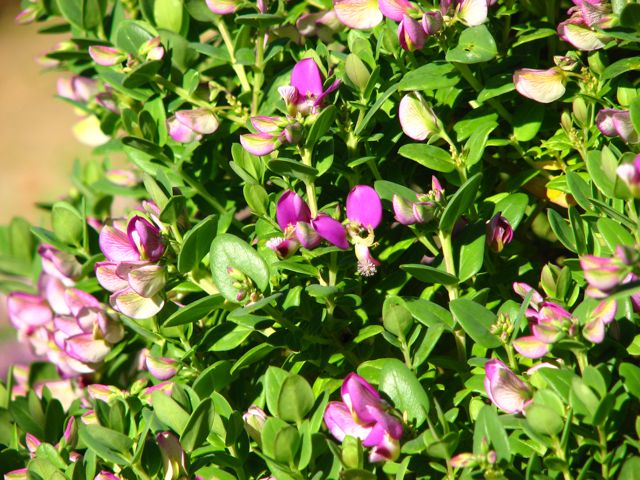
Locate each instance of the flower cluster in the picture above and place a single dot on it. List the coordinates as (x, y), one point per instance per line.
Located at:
(363, 414)
(132, 270)
(305, 96)
(68, 326)
(583, 28)
(364, 213)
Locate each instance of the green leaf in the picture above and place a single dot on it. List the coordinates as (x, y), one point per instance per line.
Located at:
(562, 230)
(630, 16)
(195, 311)
(130, 35)
(396, 318)
(230, 251)
(602, 170)
(428, 274)
(613, 233)
(580, 190)
(428, 156)
(142, 74)
(460, 203)
(387, 190)
(273, 380)
(472, 252)
(213, 378)
(84, 14)
(257, 198)
(621, 66)
(169, 412)
(582, 399)
(374, 108)
(168, 14)
(544, 420)
(488, 425)
(107, 444)
(630, 470)
(293, 169)
(198, 427)
(631, 375)
(321, 125)
(474, 148)
(474, 46)
(430, 314)
(404, 389)
(476, 321)
(280, 440)
(67, 223)
(295, 399)
(197, 243)
(512, 207)
(174, 210)
(432, 76)
(528, 120)
(634, 111)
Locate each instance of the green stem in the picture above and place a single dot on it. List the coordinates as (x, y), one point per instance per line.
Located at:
(307, 154)
(560, 453)
(468, 75)
(581, 358)
(602, 436)
(333, 268)
(512, 358)
(258, 75)
(422, 238)
(406, 353)
(239, 69)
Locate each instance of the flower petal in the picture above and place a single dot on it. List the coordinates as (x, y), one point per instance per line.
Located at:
(86, 349)
(394, 9)
(107, 277)
(360, 14)
(306, 78)
(531, 347)
(116, 246)
(416, 117)
(330, 230)
(222, 7)
(364, 206)
(259, 144)
(147, 280)
(135, 306)
(291, 209)
(544, 86)
(340, 422)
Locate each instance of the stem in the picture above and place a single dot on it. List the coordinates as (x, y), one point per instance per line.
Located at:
(581, 358)
(306, 154)
(512, 358)
(602, 436)
(467, 74)
(406, 353)
(258, 75)
(333, 268)
(561, 455)
(239, 69)
(422, 238)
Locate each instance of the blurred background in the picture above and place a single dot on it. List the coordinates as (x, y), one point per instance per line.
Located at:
(37, 148)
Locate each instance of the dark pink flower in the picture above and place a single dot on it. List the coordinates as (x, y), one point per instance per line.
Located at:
(504, 388)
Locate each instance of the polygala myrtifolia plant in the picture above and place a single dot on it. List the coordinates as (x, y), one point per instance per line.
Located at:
(353, 240)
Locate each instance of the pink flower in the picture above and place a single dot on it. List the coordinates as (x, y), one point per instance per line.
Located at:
(106, 56)
(544, 86)
(160, 367)
(187, 126)
(130, 271)
(599, 318)
(222, 7)
(581, 28)
(359, 14)
(602, 273)
(173, 456)
(422, 211)
(394, 9)
(364, 207)
(550, 323)
(305, 95)
(362, 414)
(432, 22)
(504, 388)
(330, 230)
(417, 118)
(617, 123)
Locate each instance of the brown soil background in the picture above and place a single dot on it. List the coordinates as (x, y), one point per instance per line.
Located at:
(37, 147)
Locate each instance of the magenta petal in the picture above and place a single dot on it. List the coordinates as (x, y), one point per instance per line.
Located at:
(340, 422)
(180, 132)
(361, 398)
(306, 78)
(146, 237)
(364, 206)
(331, 230)
(331, 88)
(291, 209)
(394, 9)
(116, 246)
(307, 236)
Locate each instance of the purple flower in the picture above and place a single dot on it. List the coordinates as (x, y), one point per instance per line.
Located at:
(160, 367)
(394, 9)
(272, 133)
(581, 28)
(364, 207)
(549, 323)
(617, 123)
(499, 233)
(305, 95)
(362, 414)
(504, 388)
(422, 211)
(77, 88)
(291, 209)
(330, 230)
(187, 126)
(411, 35)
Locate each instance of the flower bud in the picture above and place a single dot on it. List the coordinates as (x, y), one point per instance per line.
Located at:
(254, 420)
(432, 22)
(410, 34)
(357, 71)
(417, 118)
(499, 233)
(106, 56)
(403, 211)
(173, 457)
(504, 388)
(160, 367)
